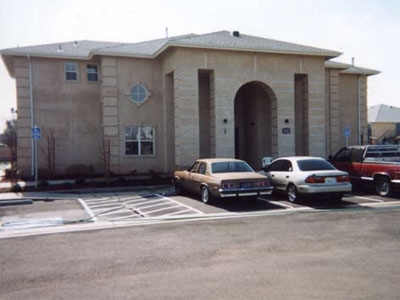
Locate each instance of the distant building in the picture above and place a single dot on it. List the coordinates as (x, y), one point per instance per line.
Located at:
(384, 122)
(159, 105)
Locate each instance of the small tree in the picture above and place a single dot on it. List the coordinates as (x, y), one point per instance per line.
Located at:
(9, 138)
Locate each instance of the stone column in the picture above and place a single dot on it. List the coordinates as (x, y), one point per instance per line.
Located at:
(24, 140)
(186, 114)
(333, 111)
(109, 94)
(363, 109)
(223, 108)
(316, 113)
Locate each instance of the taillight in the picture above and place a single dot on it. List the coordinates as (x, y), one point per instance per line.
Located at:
(343, 178)
(315, 179)
(264, 183)
(229, 185)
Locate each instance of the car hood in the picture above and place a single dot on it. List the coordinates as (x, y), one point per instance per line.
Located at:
(239, 175)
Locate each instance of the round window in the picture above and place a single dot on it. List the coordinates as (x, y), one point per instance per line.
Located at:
(139, 94)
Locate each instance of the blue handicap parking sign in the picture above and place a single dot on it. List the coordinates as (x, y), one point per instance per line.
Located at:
(347, 131)
(36, 133)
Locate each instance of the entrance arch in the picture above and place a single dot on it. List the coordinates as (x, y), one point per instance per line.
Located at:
(255, 122)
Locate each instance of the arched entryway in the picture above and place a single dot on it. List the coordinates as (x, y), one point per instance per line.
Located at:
(255, 122)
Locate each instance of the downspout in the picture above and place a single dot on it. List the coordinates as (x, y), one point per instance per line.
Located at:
(32, 115)
(359, 110)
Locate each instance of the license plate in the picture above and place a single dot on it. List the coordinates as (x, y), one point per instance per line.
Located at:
(330, 180)
(246, 185)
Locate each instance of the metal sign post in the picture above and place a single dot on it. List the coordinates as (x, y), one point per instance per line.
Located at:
(347, 131)
(35, 136)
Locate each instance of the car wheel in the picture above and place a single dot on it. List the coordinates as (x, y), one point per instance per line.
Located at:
(178, 187)
(292, 194)
(206, 196)
(383, 186)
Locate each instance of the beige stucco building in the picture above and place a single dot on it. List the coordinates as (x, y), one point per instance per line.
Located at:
(158, 105)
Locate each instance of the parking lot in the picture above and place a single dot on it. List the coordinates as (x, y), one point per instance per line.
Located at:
(165, 204)
(160, 204)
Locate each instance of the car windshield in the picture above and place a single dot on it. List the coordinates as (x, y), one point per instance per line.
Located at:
(230, 166)
(314, 165)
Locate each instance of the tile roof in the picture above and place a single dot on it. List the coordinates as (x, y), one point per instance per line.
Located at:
(349, 68)
(383, 114)
(224, 40)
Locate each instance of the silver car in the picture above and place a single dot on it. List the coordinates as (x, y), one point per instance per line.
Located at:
(298, 176)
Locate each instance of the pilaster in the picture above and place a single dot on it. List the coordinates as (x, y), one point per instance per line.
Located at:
(110, 112)
(186, 114)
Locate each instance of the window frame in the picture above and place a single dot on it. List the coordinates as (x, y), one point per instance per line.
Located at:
(139, 140)
(68, 71)
(92, 66)
(139, 94)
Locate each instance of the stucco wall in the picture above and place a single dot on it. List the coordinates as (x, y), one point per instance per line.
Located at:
(231, 71)
(67, 111)
(353, 108)
(81, 115)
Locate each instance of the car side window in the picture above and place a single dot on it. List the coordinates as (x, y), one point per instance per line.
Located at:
(343, 155)
(357, 154)
(274, 166)
(202, 168)
(282, 165)
(194, 167)
(286, 166)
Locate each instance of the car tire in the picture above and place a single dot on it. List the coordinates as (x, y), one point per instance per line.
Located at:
(178, 187)
(206, 196)
(383, 186)
(292, 194)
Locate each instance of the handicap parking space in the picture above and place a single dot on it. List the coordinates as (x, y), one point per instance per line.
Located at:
(130, 207)
(159, 204)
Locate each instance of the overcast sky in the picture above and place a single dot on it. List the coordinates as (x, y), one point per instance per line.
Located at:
(368, 30)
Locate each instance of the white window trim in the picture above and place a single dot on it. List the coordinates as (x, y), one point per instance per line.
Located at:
(139, 141)
(76, 71)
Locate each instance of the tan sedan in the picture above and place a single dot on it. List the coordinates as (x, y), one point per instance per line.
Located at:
(221, 177)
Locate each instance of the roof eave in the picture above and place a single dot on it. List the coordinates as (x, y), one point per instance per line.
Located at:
(326, 55)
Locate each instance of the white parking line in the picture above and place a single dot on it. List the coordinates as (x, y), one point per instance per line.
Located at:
(125, 217)
(161, 209)
(277, 203)
(178, 212)
(145, 201)
(187, 206)
(117, 211)
(88, 210)
(369, 199)
(110, 204)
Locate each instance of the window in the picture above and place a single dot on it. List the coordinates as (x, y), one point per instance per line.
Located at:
(139, 94)
(139, 140)
(92, 74)
(202, 168)
(314, 165)
(230, 166)
(71, 71)
(344, 155)
(193, 168)
(281, 165)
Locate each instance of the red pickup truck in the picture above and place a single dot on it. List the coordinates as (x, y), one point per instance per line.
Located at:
(378, 164)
